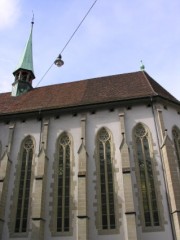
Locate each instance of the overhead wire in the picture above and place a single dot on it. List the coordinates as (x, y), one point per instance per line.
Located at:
(69, 39)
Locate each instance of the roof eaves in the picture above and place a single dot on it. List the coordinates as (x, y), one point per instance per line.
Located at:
(79, 106)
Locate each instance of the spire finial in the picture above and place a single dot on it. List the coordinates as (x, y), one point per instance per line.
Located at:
(142, 67)
(32, 21)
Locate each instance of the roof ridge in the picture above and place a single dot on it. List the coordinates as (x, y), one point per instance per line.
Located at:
(158, 89)
(88, 79)
(145, 74)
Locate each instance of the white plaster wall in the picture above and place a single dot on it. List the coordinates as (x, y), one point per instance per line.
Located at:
(72, 125)
(94, 122)
(171, 118)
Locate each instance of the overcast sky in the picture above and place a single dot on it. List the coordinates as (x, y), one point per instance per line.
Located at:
(113, 39)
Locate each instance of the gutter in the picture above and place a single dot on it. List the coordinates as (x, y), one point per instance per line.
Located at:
(39, 113)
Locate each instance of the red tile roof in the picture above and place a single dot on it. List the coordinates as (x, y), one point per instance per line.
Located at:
(92, 91)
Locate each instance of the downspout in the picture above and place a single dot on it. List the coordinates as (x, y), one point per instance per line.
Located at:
(162, 161)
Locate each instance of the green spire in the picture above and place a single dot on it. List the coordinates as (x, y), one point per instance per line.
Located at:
(26, 61)
(24, 73)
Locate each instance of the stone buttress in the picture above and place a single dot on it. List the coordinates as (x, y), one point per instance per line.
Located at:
(82, 211)
(127, 183)
(39, 192)
(5, 166)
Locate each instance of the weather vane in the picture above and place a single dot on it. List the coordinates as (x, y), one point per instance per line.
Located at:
(142, 67)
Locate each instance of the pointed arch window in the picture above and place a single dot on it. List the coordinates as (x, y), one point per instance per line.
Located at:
(106, 182)
(176, 138)
(63, 184)
(146, 179)
(22, 210)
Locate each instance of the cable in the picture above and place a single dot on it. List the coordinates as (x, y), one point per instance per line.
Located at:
(69, 39)
(45, 74)
(78, 26)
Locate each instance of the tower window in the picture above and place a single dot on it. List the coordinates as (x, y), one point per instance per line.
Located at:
(24, 76)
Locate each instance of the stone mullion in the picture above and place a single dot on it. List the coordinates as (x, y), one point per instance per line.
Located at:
(171, 176)
(177, 148)
(82, 227)
(39, 203)
(5, 167)
(106, 186)
(127, 184)
(100, 173)
(147, 181)
(24, 189)
(63, 187)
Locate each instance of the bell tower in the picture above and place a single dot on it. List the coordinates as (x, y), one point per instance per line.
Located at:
(24, 73)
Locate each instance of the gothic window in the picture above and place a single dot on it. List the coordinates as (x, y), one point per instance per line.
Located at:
(62, 185)
(176, 138)
(145, 172)
(22, 210)
(106, 182)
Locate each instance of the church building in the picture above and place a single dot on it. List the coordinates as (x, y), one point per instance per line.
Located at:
(96, 159)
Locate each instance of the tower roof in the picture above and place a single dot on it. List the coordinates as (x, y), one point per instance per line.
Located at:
(26, 60)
